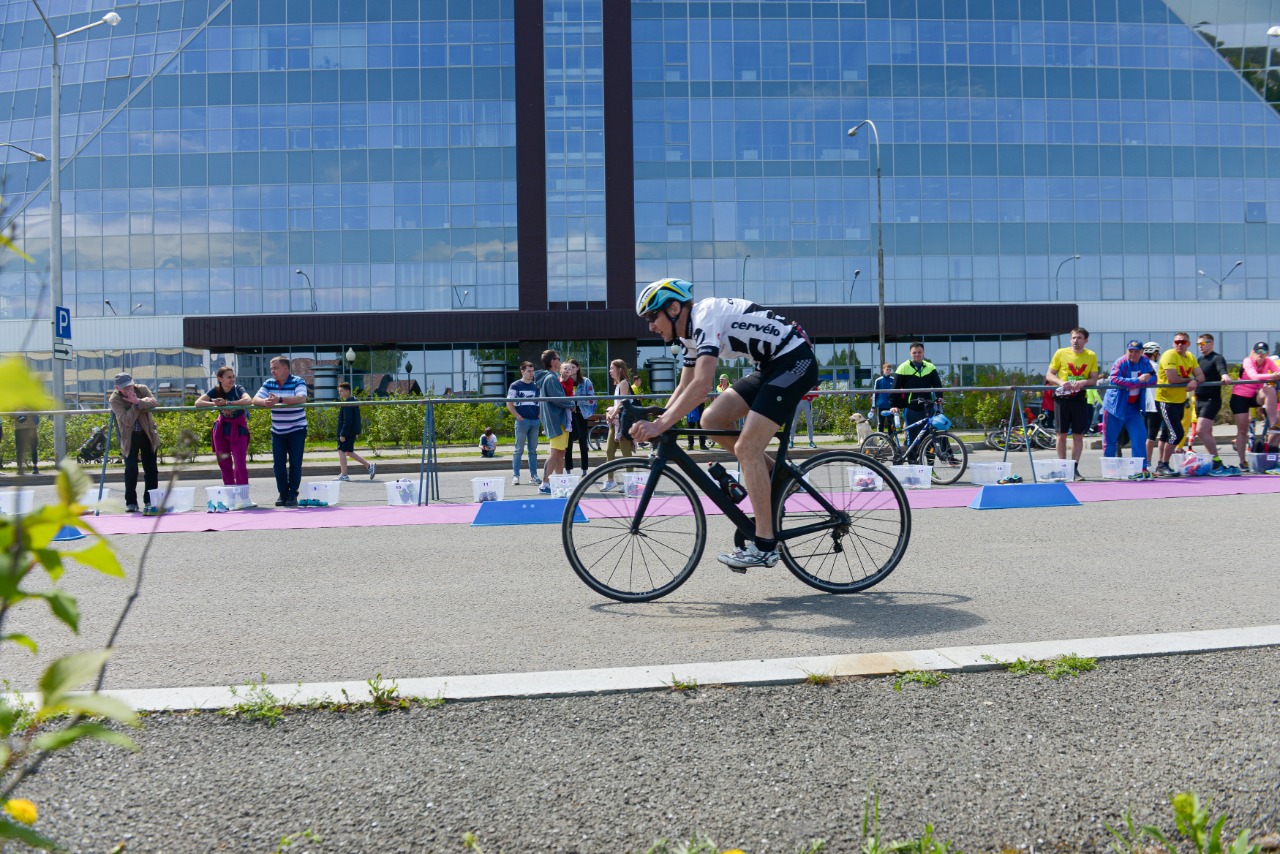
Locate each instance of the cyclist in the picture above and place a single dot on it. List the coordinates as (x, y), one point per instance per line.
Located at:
(716, 328)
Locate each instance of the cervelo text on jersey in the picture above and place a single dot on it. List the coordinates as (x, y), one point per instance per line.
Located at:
(736, 328)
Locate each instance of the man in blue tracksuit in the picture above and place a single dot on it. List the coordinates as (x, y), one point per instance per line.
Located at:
(1122, 406)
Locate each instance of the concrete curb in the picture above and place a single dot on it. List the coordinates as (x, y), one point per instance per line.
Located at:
(567, 683)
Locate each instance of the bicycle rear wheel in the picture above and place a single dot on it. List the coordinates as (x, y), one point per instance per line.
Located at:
(948, 456)
(1045, 440)
(879, 447)
(598, 436)
(859, 552)
(634, 565)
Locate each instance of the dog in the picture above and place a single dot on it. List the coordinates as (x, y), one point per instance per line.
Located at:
(863, 426)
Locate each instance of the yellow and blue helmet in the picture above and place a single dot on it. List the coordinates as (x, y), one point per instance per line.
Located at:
(657, 294)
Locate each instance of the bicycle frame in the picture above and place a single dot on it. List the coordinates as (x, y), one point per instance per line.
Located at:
(668, 452)
(901, 453)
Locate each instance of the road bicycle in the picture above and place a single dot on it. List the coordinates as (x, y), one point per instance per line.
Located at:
(1016, 439)
(841, 519)
(933, 444)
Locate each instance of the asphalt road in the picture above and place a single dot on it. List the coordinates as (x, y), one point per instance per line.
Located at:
(325, 604)
(990, 759)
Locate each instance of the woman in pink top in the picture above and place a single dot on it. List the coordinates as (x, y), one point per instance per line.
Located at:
(1256, 375)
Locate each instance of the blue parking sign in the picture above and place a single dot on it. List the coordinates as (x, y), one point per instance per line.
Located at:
(62, 322)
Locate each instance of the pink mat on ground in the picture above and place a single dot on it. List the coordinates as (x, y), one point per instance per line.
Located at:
(275, 519)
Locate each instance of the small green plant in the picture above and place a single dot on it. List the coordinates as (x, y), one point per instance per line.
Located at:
(289, 840)
(818, 678)
(1129, 838)
(927, 678)
(471, 843)
(258, 702)
(682, 684)
(698, 844)
(1054, 668)
(385, 695)
(925, 843)
(1193, 822)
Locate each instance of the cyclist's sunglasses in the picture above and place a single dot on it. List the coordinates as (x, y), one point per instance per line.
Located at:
(651, 316)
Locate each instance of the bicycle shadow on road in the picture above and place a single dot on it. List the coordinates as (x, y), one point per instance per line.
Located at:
(881, 616)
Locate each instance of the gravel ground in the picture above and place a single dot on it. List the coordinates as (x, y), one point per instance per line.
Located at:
(990, 759)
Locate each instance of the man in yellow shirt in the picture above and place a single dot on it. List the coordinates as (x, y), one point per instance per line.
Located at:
(1073, 370)
(1180, 370)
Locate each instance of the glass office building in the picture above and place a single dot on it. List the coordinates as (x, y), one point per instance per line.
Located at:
(451, 181)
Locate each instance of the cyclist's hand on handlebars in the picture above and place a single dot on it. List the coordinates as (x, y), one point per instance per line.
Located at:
(643, 431)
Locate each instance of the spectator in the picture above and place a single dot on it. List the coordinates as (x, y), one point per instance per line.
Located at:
(488, 443)
(912, 375)
(1151, 414)
(131, 405)
(1046, 410)
(554, 407)
(26, 439)
(882, 398)
(722, 384)
(1209, 399)
(1094, 397)
(619, 441)
(527, 420)
(230, 435)
(805, 408)
(695, 418)
(1178, 369)
(288, 428)
(1122, 405)
(1259, 370)
(1073, 370)
(349, 427)
(580, 414)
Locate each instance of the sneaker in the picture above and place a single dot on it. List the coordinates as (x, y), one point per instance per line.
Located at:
(290, 502)
(812, 445)
(609, 485)
(222, 508)
(1218, 465)
(245, 505)
(1142, 475)
(515, 481)
(131, 508)
(209, 508)
(740, 560)
(1275, 470)
(1013, 478)
(1244, 466)
(373, 469)
(280, 501)
(1164, 470)
(343, 477)
(545, 489)
(535, 480)
(151, 511)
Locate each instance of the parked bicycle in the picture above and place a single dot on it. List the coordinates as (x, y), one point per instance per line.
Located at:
(841, 519)
(1016, 438)
(933, 444)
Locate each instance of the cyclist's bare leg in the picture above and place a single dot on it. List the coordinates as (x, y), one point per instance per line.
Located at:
(723, 414)
(757, 432)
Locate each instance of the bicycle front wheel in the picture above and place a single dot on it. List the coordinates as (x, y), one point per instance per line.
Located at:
(868, 539)
(620, 558)
(598, 436)
(1045, 440)
(948, 456)
(879, 447)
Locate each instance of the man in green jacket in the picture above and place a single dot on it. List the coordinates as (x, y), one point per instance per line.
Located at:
(911, 376)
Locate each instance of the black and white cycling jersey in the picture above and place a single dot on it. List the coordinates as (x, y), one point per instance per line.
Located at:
(736, 329)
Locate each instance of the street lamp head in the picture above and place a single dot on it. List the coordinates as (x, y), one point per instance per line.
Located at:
(854, 131)
(108, 304)
(1273, 31)
(111, 18)
(135, 308)
(1077, 257)
(298, 272)
(351, 354)
(1200, 272)
(40, 158)
(1237, 264)
(856, 274)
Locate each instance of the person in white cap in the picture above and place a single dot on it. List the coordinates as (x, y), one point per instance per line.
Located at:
(131, 404)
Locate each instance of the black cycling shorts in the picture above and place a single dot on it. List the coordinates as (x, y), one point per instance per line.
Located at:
(1074, 414)
(1240, 405)
(775, 390)
(1208, 408)
(1153, 422)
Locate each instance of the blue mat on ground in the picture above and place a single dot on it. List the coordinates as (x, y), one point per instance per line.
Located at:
(1014, 495)
(526, 511)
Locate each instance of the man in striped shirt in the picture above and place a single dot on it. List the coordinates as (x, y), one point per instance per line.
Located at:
(288, 428)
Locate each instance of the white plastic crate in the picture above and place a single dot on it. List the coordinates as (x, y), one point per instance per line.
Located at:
(181, 501)
(1119, 468)
(17, 502)
(487, 488)
(1054, 471)
(402, 492)
(90, 496)
(913, 477)
(1178, 461)
(633, 483)
(985, 474)
(563, 485)
(863, 479)
(327, 491)
(1262, 462)
(230, 497)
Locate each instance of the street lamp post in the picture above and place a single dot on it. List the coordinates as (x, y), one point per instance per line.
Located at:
(853, 131)
(856, 274)
(55, 211)
(1059, 270)
(34, 155)
(310, 289)
(1224, 278)
(742, 286)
